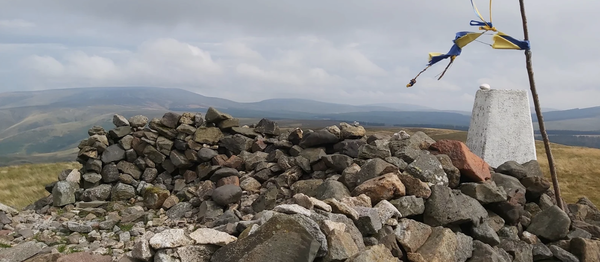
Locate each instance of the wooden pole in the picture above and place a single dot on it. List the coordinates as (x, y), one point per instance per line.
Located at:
(538, 112)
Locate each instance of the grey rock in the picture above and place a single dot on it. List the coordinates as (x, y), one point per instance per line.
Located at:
(63, 193)
(485, 253)
(206, 154)
(179, 210)
(129, 168)
(164, 145)
(214, 116)
(79, 227)
(20, 252)
(122, 191)
(265, 200)
(510, 184)
(224, 172)
(313, 154)
(485, 192)
(562, 254)
(282, 236)
(113, 153)
(428, 169)
(119, 132)
(149, 174)
(138, 121)
(318, 138)
(91, 180)
(93, 165)
(170, 119)
(196, 253)
(464, 247)
(372, 151)
(486, 234)
(519, 250)
(541, 252)
(227, 194)
(98, 193)
(512, 168)
(533, 168)
(551, 224)
(409, 205)
(154, 155)
(349, 147)
(236, 143)
(338, 162)
(446, 206)
(451, 171)
(371, 169)
(179, 159)
(331, 189)
(535, 186)
(268, 127)
(368, 221)
(399, 163)
(126, 141)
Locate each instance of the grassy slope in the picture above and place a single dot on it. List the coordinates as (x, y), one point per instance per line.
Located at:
(24, 184)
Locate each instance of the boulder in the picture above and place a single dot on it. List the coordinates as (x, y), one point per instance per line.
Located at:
(470, 165)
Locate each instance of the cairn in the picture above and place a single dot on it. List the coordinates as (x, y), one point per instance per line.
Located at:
(192, 188)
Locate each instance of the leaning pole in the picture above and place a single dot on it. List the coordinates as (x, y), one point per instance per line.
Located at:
(538, 111)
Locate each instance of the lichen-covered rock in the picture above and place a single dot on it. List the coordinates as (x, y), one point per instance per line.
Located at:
(282, 236)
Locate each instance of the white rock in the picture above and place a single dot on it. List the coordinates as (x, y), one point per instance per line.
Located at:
(320, 204)
(7, 209)
(329, 226)
(386, 210)
(170, 238)
(204, 236)
(484, 87)
(292, 209)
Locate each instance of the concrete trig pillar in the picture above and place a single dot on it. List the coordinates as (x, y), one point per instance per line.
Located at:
(501, 127)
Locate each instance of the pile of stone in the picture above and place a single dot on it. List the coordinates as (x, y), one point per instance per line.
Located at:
(192, 188)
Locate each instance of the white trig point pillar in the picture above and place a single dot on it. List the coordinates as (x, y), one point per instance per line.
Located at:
(501, 128)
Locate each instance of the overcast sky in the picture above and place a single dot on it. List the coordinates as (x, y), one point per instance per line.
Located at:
(343, 51)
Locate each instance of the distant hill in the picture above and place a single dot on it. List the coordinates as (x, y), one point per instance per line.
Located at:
(41, 126)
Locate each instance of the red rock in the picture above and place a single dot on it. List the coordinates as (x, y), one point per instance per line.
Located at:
(258, 145)
(469, 164)
(235, 162)
(382, 187)
(189, 176)
(219, 160)
(230, 180)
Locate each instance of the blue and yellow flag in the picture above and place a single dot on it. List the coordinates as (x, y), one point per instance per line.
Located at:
(499, 41)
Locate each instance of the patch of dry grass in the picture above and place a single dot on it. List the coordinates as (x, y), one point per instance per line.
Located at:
(24, 184)
(578, 170)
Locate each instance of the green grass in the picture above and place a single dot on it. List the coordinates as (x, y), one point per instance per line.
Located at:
(24, 184)
(126, 227)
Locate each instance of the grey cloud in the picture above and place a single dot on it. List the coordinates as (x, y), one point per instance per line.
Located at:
(346, 50)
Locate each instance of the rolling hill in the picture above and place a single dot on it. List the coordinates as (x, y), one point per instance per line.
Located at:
(42, 126)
